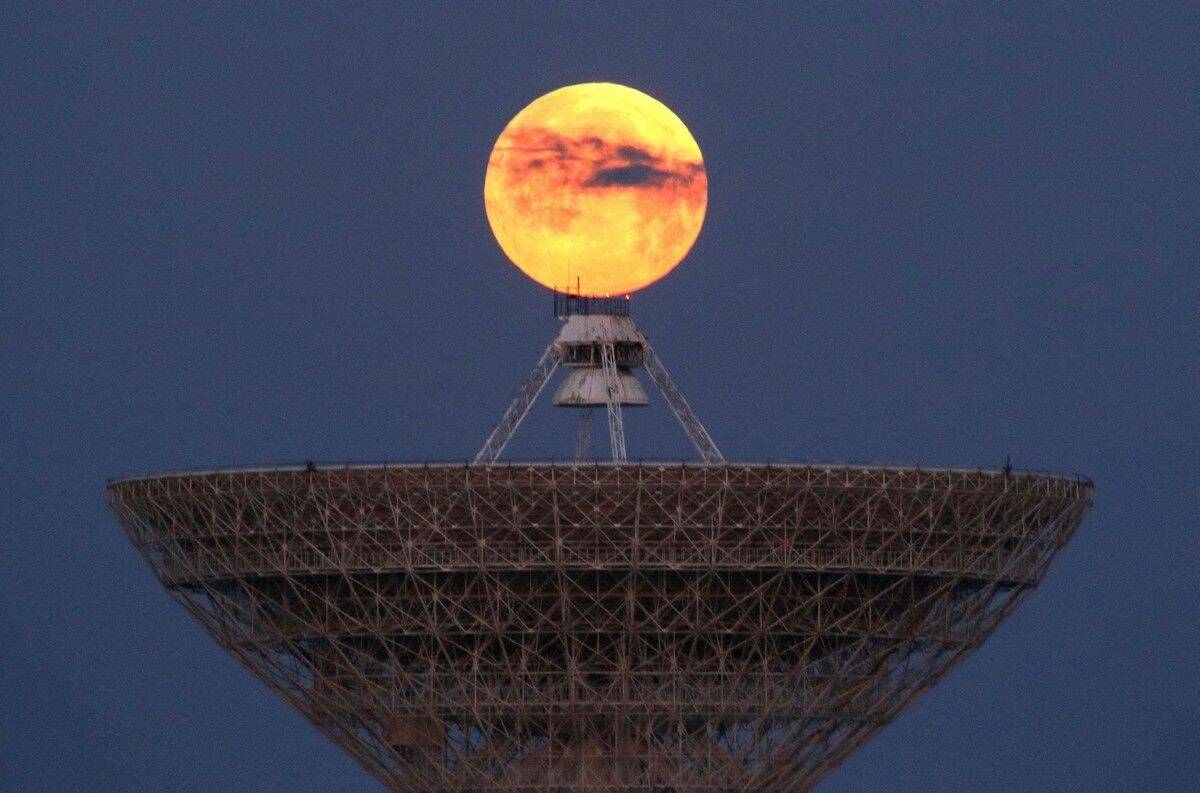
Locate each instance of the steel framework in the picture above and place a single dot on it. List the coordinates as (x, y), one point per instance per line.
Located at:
(526, 396)
(684, 414)
(599, 338)
(571, 627)
(616, 424)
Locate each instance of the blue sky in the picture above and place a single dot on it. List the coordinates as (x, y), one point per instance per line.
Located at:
(244, 234)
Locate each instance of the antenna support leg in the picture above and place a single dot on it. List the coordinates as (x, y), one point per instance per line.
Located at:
(601, 346)
(616, 424)
(687, 418)
(512, 418)
(583, 435)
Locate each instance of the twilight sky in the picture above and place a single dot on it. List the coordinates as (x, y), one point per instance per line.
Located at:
(939, 235)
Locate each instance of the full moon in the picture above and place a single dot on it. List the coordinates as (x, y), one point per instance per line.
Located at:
(597, 188)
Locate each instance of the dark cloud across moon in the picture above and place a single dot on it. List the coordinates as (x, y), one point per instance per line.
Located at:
(591, 162)
(597, 186)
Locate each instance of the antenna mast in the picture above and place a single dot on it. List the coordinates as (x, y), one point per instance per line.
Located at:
(601, 346)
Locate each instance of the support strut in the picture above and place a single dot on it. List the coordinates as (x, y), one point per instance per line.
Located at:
(687, 418)
(583, 435)
(517, 411)
(585, 337)
(616, 424)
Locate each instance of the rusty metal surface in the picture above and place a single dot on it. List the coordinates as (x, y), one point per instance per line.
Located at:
(572, 627)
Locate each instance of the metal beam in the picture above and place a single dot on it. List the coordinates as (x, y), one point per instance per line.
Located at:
(616, 424)
(695, 431)
(583, 435)
(512, 418)
(469, 592)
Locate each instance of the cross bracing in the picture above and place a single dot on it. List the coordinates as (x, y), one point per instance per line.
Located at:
(601, 350)
(576, 627)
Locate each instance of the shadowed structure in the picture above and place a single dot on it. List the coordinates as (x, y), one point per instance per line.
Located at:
(600, 626)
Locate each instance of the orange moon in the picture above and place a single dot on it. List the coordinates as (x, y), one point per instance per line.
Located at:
(597, 187)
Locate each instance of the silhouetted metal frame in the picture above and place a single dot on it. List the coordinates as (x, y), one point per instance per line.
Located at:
(687, 418)
(616, 422)
(571, 627)
(510, 422)
(583, 434)
(507, 427)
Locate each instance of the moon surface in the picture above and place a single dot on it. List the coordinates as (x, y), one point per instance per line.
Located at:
(597, 188)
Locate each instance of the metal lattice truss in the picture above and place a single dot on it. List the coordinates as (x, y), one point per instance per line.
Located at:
(616, 424)
(684, 414)
(526, 396)
(612, 345)
(566, 627)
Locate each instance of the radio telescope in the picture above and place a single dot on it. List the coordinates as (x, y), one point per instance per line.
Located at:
(600, 625)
